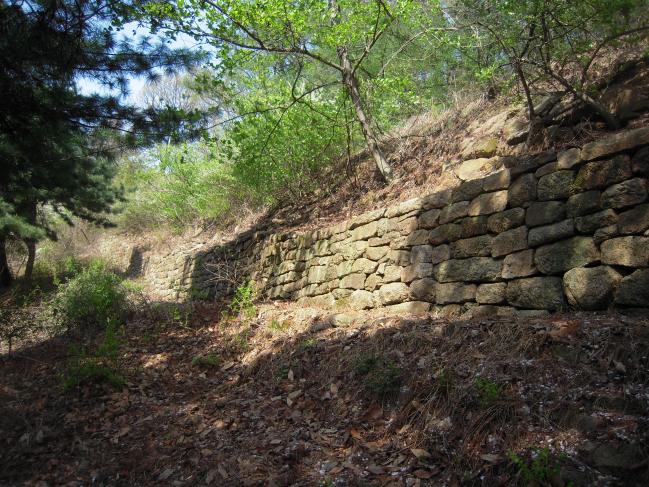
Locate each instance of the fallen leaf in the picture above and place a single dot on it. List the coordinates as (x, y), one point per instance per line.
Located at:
(356, 434)
(422, 474)
(420, 453)
(166, 474)
(491, 458)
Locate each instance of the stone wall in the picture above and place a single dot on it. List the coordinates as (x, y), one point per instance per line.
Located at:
(541, 232)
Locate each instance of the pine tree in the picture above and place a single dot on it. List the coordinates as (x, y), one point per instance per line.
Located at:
(56, 144)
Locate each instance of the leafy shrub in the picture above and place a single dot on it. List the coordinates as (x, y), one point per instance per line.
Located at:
(539, 470)
(207, 360)
(94, 297)
(382, 376)
(91, 371)
(100, 367)
(278, 326)
(176, 186)
(242, 301)
(488, 391)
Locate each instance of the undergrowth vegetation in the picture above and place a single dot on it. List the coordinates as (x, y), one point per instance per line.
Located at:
(87, 301)
(94, 297)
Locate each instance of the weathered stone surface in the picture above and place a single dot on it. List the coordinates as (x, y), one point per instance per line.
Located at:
(551, 233)
(376, 253)
(344, 268)
(395, 292)
(467, 190)
(605, 233)
(454, 293)
(491, 293)
(626, 251)
(520, 264)
(399, 242)
(418, 237)
(590, 223)
(498, 180)
(640, 162)
(421, 253)
(536, 293)
(373, 282)
(436, 200)
(601, 174)
(476, 269)
(509, 242)
(476, 168)
(383, 240)
(365, 231)
(568, 158)
(423, 290)
(525, 164)
(561, 256)
(429, 219)
(454, 211)
(635, 220)
(505, 220)
(399, 257)
(317, 274)
(440, 253)
(626, 193)
(555, 186)
(448, 311)
(483, 147)
(361, 299)
(351, 250)
(548, 168)
(488, 203)
(410, 307)
(615, 143)
(408, 206)
(522, 190)
(473, 226)
(416, 271)
(365, 218)
(515, 130)
(471, 247)
(392, 273)
(634, 290)
(405, 226)
(590, 288)
(445, 233)
(583, 203)
(545, 212)
(353, 281)
(365, 266)
(483, 311)
(324, 301)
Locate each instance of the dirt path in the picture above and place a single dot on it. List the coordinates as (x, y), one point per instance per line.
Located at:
(394, 402)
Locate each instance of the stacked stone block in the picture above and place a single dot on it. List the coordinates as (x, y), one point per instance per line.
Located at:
(544, 232)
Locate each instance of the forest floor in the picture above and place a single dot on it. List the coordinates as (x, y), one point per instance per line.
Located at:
(297, 397)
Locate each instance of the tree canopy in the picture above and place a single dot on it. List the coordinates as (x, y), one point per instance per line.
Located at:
(56, 142)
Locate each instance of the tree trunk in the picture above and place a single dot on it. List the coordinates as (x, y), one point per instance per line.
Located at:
(31, 257)
(5, 272)
(610, 119)
(31, 214)
(351, 84)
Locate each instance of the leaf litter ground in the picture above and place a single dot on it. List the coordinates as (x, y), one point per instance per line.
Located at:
(299, 397)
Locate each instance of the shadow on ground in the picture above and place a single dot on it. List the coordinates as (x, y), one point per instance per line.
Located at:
(288, 401)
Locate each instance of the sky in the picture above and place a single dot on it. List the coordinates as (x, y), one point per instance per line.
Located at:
(134, 31)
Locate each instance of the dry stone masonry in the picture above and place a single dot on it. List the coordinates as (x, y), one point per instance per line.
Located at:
(542, 232)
